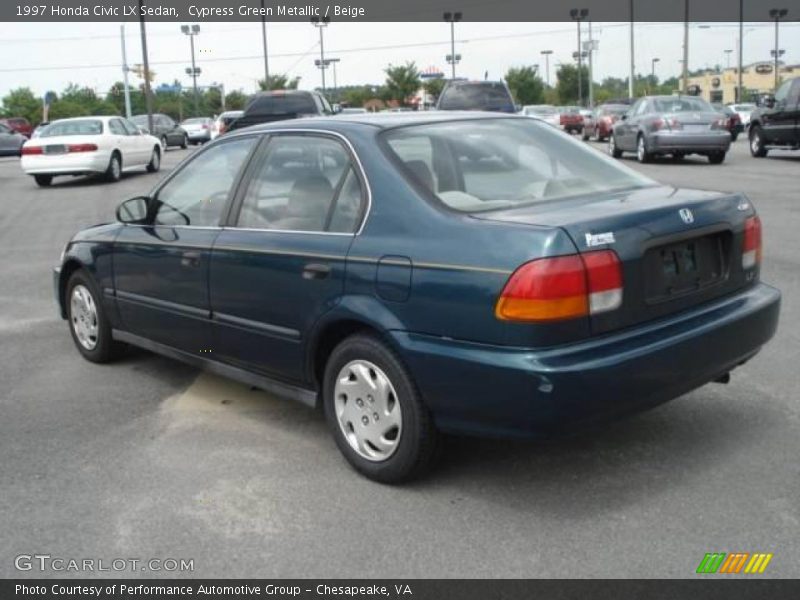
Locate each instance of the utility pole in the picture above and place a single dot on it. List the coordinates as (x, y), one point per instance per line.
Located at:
(320, 23)
(777, 14)
(739, 87)
(452, 18)
(547, 54)
(591, 68)
(633, 64)
(264, 44)
(728, 59)
(148, 97)
(685, 74)
(125, 73)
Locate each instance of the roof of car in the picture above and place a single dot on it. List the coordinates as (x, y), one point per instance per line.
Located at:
(382, 120)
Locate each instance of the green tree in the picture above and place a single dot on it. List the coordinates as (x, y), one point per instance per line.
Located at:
(567, 86)
(525, 84)
(280, 81)
(235, 100)
(357, 95)
(434, 87)
(402, 82)
(22, 102)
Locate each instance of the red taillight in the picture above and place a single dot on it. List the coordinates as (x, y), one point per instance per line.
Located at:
(81, 147)
(564, 287)
(204, 126)
(668, 123)
(29, 150)
(751, 248)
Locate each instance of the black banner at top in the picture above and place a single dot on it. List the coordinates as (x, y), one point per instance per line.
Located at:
(398, 10)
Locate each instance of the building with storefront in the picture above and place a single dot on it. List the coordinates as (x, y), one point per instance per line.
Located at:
(757, 79)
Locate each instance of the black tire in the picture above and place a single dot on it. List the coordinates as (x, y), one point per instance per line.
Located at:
(678, 156)
(418, 438)
(642, 155)
(155, 160)
(716, 158)
(757, 148)
(185, 142)
(613, 149)
(43, 180)
(114, 170)
(734, 136)
(105, 348)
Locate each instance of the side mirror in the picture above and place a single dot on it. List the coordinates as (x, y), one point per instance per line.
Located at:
(133, 210)
(624, 117)
(769, 101)
(337, 108)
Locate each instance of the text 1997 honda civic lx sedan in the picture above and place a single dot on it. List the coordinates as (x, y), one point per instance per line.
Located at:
(417, 274)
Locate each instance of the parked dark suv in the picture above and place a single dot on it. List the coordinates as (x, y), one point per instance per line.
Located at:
(477, 95)
(165, 129)
(777, 123)
(280, 105)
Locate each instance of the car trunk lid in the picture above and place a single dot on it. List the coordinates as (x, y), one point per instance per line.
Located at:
(678, 248)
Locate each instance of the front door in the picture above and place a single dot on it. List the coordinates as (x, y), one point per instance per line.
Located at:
(161, 268)
(778, 121)
(280, 264)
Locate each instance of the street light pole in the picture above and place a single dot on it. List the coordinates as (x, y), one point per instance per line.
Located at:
(777, 14)
(191, 32)
(739, 88)
(320, 23)
(591, 67)
(547, 54)
(633, 65)
(452, 18)
(578, 14)
(148, 97)
(728, 59)
(653, 68)
(125, 73)
(264, 44)
(685, 74)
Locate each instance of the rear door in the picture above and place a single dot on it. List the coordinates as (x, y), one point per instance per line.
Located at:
(161, 269)
(280, 263)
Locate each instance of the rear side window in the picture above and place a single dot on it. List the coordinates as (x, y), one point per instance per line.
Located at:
(4, 129)
(116, 127)
(76, 127)
(305, 183)
(281, 104)
(479, 96)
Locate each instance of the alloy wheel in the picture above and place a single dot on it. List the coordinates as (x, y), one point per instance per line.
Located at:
(367, 410)
(83, 316)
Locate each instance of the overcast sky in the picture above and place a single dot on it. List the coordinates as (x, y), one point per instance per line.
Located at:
(50, 55)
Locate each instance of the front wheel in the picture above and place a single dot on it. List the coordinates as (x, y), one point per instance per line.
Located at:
(90, 329)
(613, 149)
(43, 180)
(757, 148)
(376, 413)
(164, 144)
(155, 161)
(114, 170)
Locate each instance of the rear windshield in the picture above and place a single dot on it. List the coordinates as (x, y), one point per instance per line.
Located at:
(477, 96)
(196, 121)
(478, 165)
(281, 104)
(613, 109)
(681, 104)
(78, 127)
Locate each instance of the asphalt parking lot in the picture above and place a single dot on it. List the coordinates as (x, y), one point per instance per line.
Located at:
(148, 458)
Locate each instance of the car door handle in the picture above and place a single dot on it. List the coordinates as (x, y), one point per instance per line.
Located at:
(316, 271)
(190, 259)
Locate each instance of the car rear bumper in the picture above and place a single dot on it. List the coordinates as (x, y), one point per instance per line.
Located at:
(65, 164)
(712, 141)
(521, 392)
(198, 135)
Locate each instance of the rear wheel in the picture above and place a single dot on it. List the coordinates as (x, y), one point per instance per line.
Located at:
(613, 150)
(90, 329)
(376, 413)
(43, 180)
(734, 136)
(642, 155)
(757, 148)
(114, 170)
(185, 142)
(163, 140)
(716, 158)
(155, 161)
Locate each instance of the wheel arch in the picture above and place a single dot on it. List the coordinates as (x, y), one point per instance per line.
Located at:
(70, 266)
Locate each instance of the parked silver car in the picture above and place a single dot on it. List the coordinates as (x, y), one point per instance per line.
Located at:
(198, 129)
(674, 125)
(10, 141)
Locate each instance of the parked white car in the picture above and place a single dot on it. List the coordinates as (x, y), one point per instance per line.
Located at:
(106, 146)
(744, 111)
(223, 121)
(544, 112)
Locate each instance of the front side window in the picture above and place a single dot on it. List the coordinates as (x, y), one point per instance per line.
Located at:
(306, 183)
(197, 194)
(486, 164)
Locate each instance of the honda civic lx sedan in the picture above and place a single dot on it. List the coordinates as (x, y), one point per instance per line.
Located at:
(419, 274)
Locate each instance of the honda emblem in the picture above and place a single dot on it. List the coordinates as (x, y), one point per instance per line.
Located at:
(686, 215)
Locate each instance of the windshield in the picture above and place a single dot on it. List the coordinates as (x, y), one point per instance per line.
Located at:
(477, 165)
(681, 104)
(78, 127)
(477, 96)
